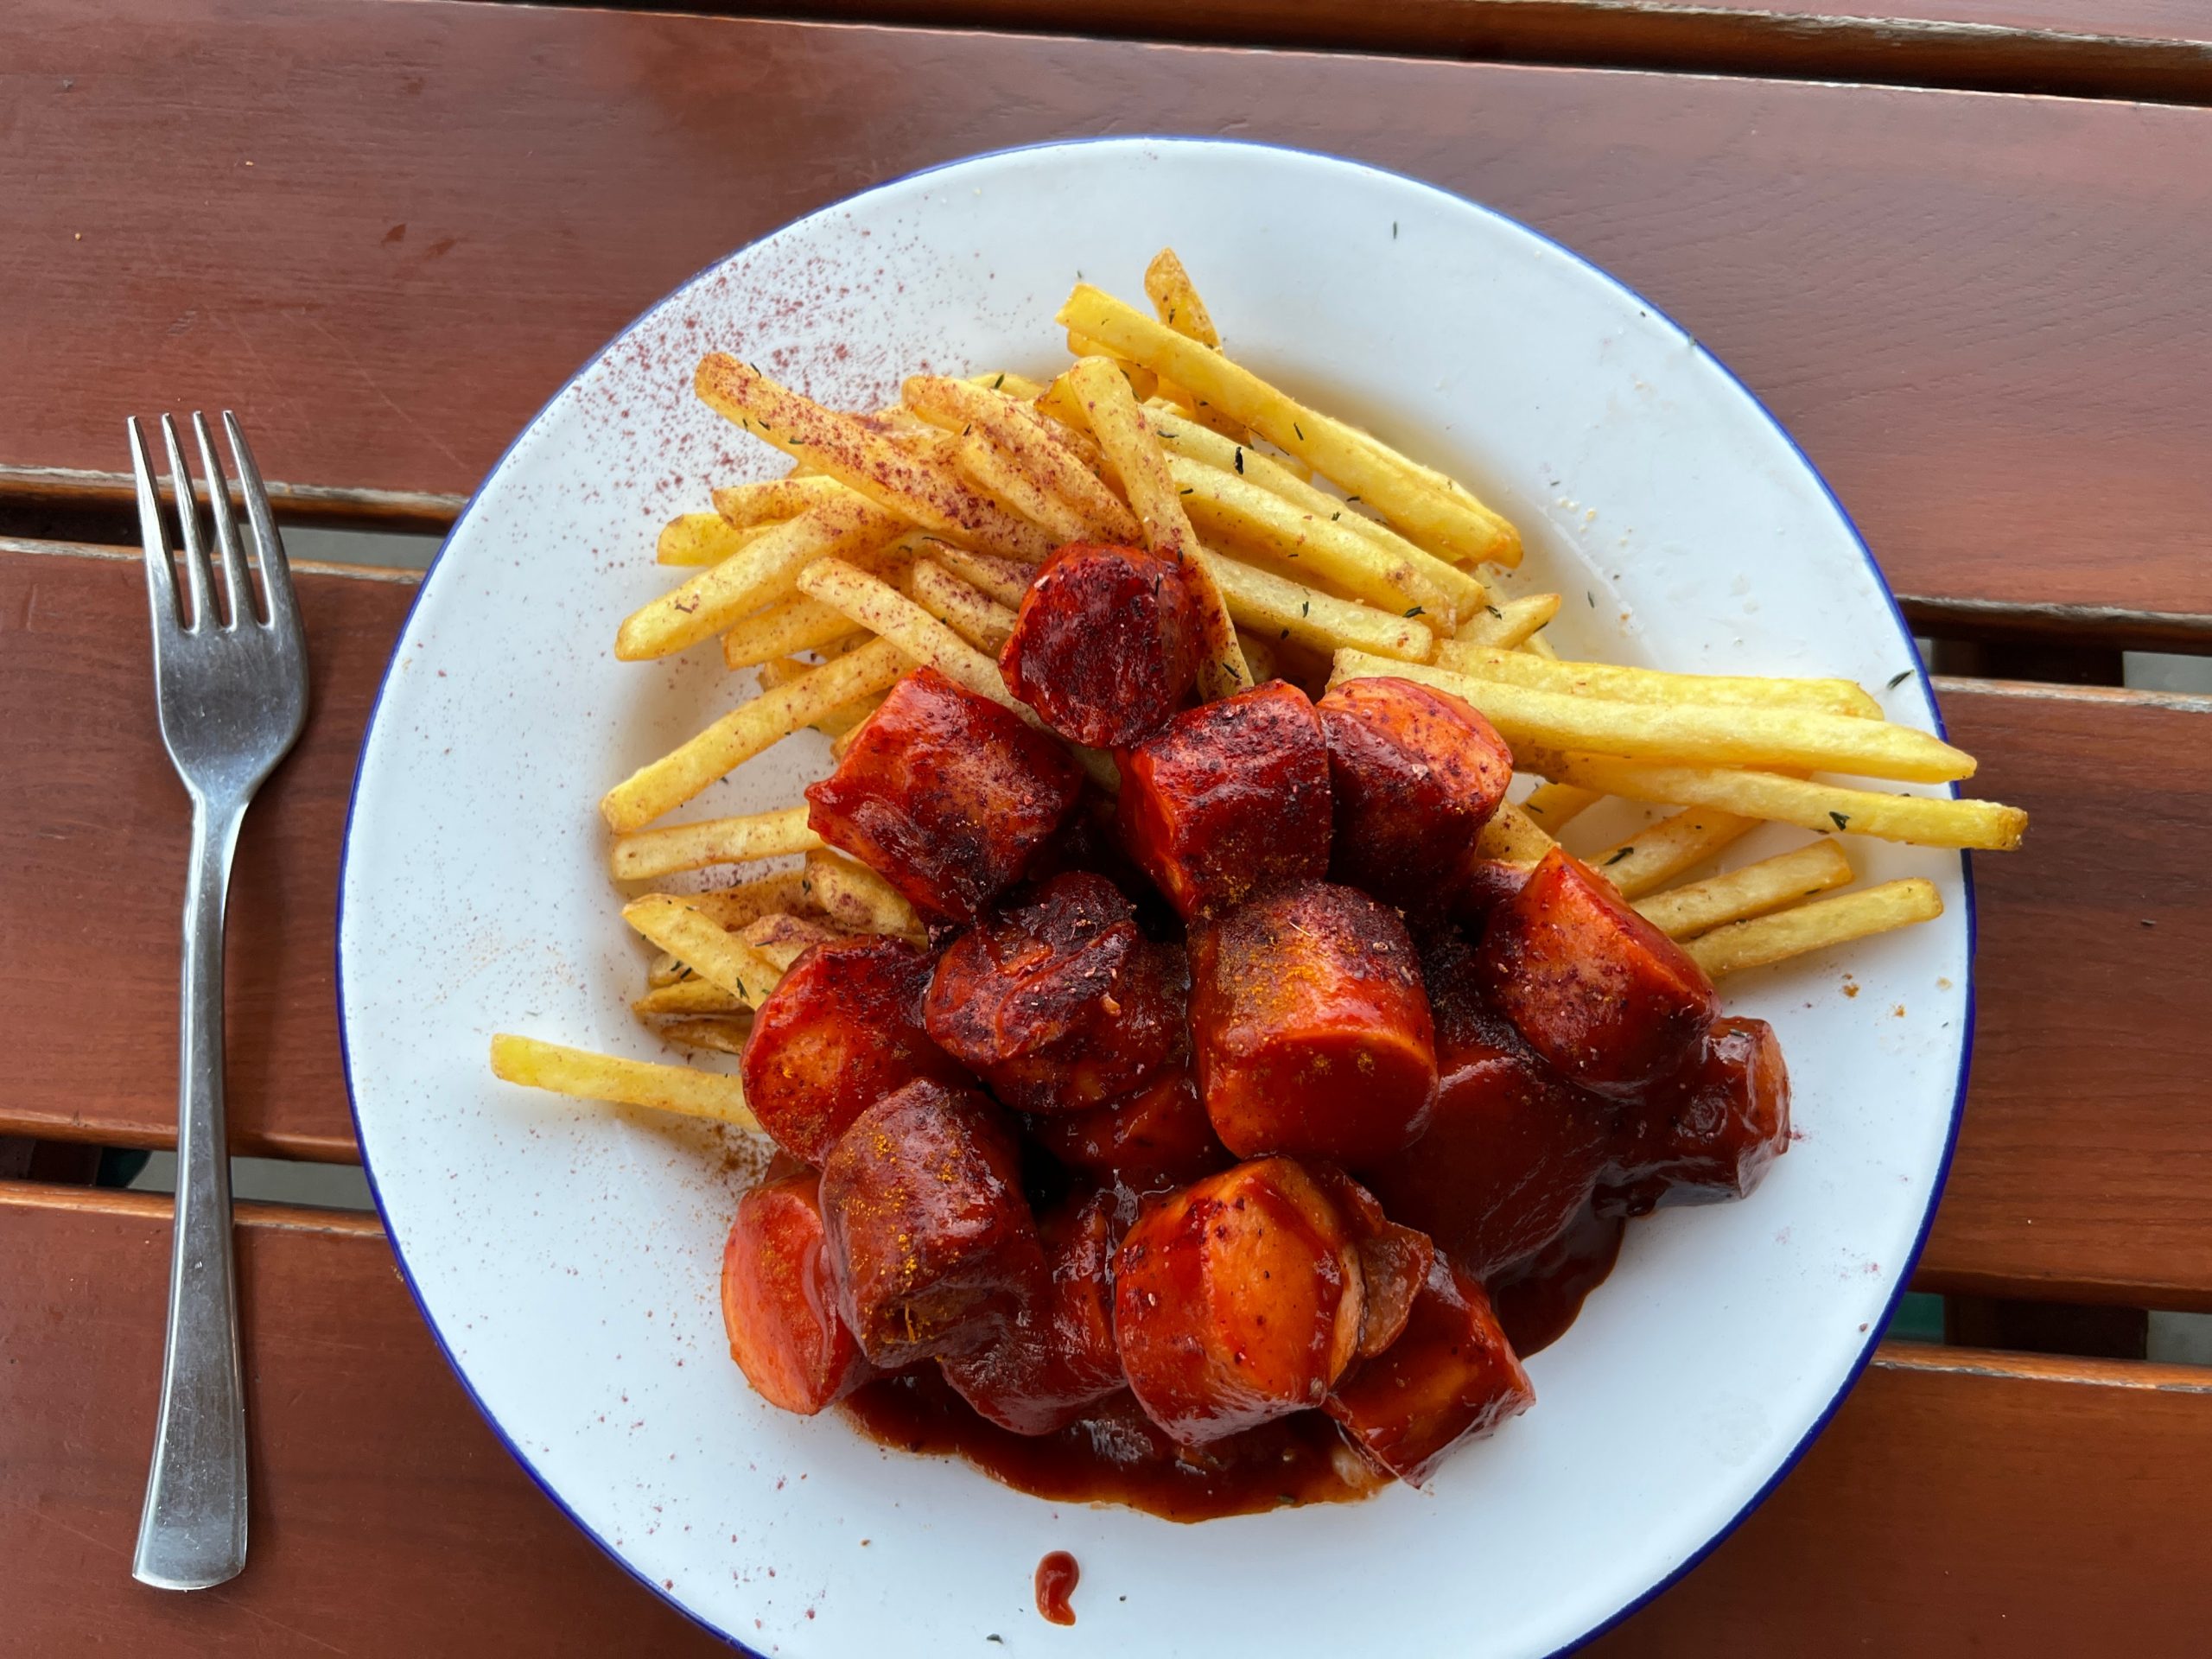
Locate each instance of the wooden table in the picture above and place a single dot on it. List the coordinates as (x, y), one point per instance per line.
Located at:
(385, 233)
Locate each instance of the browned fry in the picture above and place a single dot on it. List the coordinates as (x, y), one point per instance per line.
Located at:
(782, 938)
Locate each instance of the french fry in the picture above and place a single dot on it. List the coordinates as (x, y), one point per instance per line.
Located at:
(664, 784)
(1002, 579)
(714, 1034)
(840, 724)
(1428, 475)
(762, 571)
(688, 996)
(1923, 821)
(1772, 883)
(1235, 512)
(1175, 297)
(1277, 608)
(991, 470)
(782, 938)
(1536, 646)
(978, 618)
(1513, 836)
(1136, 462)
(1507, 623)
(897, 480)
(876, 605)
(1554, 806)
(715, 954)
(745, 505)
(1175, 302)
(584, 1076)
(1259, 655)
(1006, 380)
(854, 896)
(1142, 381)
(664, 969)
(883, 609)
(793, 624)
(1815, 925)
(1029, 447)
(1199, 443)
(1656, 685)
(1661, 851)
(1797, 738)
(682, 847)
(1452, 524)
(693, 538)
(748, 901)
(843, 740)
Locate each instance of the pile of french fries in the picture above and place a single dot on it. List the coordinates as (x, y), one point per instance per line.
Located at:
(908, 535)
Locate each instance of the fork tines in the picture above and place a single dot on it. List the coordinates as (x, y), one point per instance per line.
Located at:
(277, 606)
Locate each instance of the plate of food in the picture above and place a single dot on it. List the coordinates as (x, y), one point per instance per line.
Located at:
(1163, 884)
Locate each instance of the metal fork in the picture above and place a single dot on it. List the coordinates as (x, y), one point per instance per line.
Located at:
(232, 691)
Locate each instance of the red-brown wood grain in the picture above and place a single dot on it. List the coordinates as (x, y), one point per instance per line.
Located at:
(2077, 1176)
(384, 233)
(1959, 1501)
(2084, 1171)
(2136, 49)
(93, 894)
(386, 1516)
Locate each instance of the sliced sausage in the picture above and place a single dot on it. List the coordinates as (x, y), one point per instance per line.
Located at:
(1600, 993)
(946, 795)
(1311, 1029)
(932, 1239)
(1414, 773)
(1106, 646)
(780, 1299)
(1451, 1376)
(842, 1029)
(1058, 1357)
(1231, 797)
(1059, 1002)
(1236, 1300)
(1512, 1150)
(1707, 1134)
(1154, 1139)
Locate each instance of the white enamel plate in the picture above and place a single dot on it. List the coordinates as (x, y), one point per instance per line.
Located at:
(567, 1256)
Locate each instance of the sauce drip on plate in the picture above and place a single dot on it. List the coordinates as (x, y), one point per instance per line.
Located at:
(1057, 1577)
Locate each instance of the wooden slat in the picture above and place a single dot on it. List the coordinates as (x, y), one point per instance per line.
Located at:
(94, 859)
(387, 1517)
(1959, 1501)
(448, 207)
(2084, 1171)
(2143, 49)
(2084, 1174)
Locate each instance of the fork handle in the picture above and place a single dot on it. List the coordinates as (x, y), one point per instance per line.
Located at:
(192, 1533)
